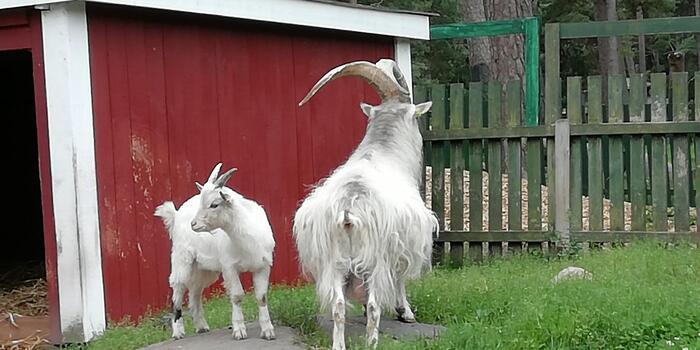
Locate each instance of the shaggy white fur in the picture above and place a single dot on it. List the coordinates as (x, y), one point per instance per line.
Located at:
(367, 221)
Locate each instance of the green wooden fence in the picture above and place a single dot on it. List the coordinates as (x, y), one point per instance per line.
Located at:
(593, 168)
(498, 186)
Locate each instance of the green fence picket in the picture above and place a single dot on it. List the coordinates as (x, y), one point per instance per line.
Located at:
(514, 117)
(615, 158)
(574, 113)
(476, 110)
(681, 183)
(438, 122)
(659, 189)
(637, 172)
(595, 156)
(495, 170)
(456, 172)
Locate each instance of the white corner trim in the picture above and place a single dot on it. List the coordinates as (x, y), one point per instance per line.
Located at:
(402, 56)
(73, 179)
(297, 12)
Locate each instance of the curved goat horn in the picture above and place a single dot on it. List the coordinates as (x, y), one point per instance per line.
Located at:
(386, 87)
(214, 173)
(390, 67)
(223, 179)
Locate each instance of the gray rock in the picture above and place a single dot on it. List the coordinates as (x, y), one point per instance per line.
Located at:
(572, 272)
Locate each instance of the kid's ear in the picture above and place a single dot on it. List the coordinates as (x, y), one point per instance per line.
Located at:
(366, 109)
(423, 108)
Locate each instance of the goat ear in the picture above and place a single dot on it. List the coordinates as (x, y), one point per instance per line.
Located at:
(199, 186)
(225, 197)
(214, 173)
(223, 179)
(423, 108)
(366, 109)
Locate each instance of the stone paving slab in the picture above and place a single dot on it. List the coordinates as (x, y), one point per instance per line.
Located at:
(355, 326)
(221, 339)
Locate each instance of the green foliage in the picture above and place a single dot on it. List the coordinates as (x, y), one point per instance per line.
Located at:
(641, 297)
(446, 61)
(580, 57)
(434, 61)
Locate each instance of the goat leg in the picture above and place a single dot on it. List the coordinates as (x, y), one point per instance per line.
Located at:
(403, 309)
(338, 310)
(373, 316)
(178, 323)
(236, 293)
(261, 280)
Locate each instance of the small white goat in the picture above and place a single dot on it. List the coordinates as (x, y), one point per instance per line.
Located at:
(366, 224)
(216, 231)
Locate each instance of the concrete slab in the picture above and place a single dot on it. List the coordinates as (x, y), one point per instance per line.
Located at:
(355, 326)
(221, 340)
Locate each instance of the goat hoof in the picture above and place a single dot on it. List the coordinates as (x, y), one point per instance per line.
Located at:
(372, 341)
(404, 315)
(268, 334)
(406, 319)
(202, 330)
(178, 331)
(239, 334)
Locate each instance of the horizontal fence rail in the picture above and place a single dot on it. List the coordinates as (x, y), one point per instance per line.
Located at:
(674, 25)
(576, 130)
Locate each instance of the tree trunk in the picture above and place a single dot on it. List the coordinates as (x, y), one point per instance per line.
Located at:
(480, 58)
(501, 58)
(508, 51)
(642, 44)
(608, 48)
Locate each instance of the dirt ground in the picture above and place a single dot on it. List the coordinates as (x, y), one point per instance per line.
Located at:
(23, 307)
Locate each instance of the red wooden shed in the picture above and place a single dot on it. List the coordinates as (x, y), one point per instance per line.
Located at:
(132, 101)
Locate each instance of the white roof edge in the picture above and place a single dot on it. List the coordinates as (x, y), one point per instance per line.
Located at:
(295, 12)
(8, 4)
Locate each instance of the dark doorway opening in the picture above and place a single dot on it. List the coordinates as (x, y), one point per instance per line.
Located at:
(22, 269)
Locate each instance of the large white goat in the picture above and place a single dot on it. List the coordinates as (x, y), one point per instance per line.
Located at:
(216, 231)
(366, 223)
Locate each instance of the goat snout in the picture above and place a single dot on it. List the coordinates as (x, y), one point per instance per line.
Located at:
(196, 226)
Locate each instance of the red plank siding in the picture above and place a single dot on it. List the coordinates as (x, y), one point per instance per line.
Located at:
(15, 17)
(17, 29)
(174, 94)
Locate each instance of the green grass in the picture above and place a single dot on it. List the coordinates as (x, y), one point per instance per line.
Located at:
(641, 297)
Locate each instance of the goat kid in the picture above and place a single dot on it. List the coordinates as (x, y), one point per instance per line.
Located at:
(366, 226)
(216, 231)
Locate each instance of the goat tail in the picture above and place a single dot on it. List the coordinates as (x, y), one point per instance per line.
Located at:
(355, 289)
(167, 212)
(349, 221)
